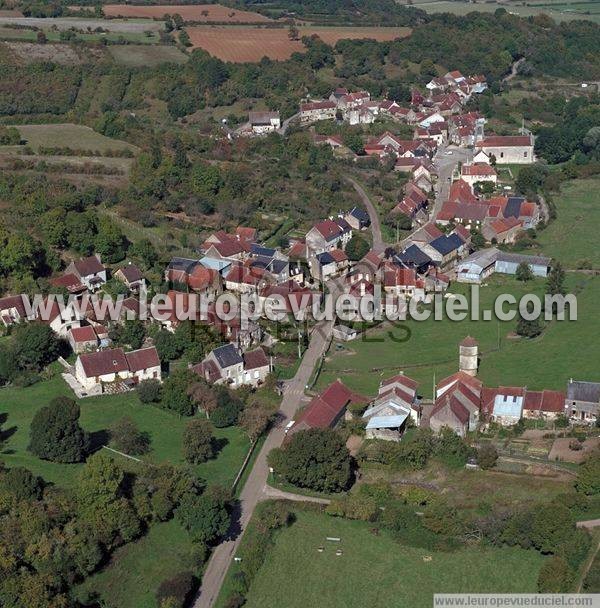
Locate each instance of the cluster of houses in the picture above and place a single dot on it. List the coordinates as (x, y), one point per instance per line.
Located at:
(357, 107)
(461, 403)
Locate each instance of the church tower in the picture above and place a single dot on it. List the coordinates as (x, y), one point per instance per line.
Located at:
(468, 351)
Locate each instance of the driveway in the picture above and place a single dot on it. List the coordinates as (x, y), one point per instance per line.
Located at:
(378, 244)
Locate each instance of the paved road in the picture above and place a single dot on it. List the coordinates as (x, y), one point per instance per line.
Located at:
(445, 164)
(255, 488)
(378, 243)
(589, 524)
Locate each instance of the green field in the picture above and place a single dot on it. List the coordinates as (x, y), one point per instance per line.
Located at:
(571, 237)
(564, 350)
(376, 570)
(71, 136)
(560, 11)
(97, 415)
(7, 33)
(133, 574)
(132, 55)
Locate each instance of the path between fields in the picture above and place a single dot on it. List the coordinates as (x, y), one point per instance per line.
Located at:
(271, 492)
(255, 488)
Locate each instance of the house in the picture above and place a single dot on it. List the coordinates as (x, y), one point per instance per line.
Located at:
(317, 110)
(582, 403)
(514, 149)
(89, 271)
(94, 370)
(327, 409)
(503, 231)
(358, 219)
(397, 402)
(82, 339)
(544, 404)
(478, 172)
(60, 318)
(264, 122)
(226, 365)
(457, 403)
(328, 264)
(132, 276)
(450, 247)
(13, 310)
(415, 257)
(71, 282)
(333, 141)
(504, 405)
(403, 281)
(343, 333)
(353, 100)
(328, 235)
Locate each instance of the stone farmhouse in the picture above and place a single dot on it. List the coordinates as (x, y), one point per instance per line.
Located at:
(513, 149)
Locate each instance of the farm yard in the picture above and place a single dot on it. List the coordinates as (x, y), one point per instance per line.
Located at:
(325, 576)
(196, 12)
(248, 44)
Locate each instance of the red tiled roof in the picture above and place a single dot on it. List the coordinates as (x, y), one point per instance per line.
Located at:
(132, 273)
(15, 302)
(338, 255)
(200, 278)
(401, 379)
(461, 192)
(69, 281)
(460, 376)
(317, 105)
(88, 266)
(143, 358)
(454, 405)
(478, 169)
(544, 401)
(84, 334)
(255, 358)
(469, 342)
(104, 362)
(328, 229)
(505, 141)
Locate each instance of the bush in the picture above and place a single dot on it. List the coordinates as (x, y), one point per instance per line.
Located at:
(149, 391)
(127, 438)
(198, 441)
(178, 588)
(555, 576)
(487, 455)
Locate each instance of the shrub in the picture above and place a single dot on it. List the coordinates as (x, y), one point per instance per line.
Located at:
(178, 588)
(198, 441)
(487, 455)
(149, 391)
(555, 576)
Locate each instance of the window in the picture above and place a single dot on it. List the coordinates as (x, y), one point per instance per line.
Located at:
(525, 154)
(501, 154)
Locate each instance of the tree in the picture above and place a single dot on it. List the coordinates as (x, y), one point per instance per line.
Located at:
(177, 21)
(529, 328)
(36, 345)
(175, 395)
(205, 517)
(487, 455)
(524, 272)
(588, 476)
(552, 526)
(55, 433)
(357, 248)
(20, 484)
(354, 141)
(177, 590)
(254, 420)
(555, 576)
(293, 33)
(556, 280)
(229, 407)
(204, 397)
(198, 441)
(127, 438)
(317, 459)
(132, 333)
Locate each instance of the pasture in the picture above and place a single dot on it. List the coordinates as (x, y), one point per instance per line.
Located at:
(196, 12)
(146, 55)
(559, 11)
(428, 350)
(251, 44)
(71, 136)
(296, 575)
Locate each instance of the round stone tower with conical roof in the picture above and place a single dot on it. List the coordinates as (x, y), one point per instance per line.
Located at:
(468, 356)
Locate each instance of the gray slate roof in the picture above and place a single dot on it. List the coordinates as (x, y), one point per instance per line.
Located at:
(578, 390)
(227, 355)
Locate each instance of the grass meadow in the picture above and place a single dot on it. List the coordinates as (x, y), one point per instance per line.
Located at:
(375, 570)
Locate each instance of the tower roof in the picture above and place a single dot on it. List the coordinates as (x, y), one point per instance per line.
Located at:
(469, 342)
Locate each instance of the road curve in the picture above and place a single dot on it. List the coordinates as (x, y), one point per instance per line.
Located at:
(378, 244)
(255, 487)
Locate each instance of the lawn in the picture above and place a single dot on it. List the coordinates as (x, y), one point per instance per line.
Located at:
(376, 570)
(71, 136)
(431, 351)
(131, 578)
(97, 415)
(570, 238)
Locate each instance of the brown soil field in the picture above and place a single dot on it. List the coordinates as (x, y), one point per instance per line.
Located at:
(248, 44)
(196, 12)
